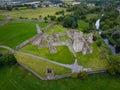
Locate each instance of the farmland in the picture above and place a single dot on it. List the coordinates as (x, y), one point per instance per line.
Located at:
(32, 13)
(19, 31)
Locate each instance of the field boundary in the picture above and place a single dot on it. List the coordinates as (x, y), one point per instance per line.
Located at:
(30, 70)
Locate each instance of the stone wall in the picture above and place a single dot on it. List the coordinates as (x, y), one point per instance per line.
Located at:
(30, 70)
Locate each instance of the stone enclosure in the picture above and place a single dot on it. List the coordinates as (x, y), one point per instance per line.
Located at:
(76, 40)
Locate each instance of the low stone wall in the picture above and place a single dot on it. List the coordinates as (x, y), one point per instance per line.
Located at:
(30, 70)
(58, 76)
(97, 71)
(27, 41)
(63, 76)
(43, 78)
(22, 44)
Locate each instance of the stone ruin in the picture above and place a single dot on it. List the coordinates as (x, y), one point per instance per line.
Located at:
(49, 74)
(78, 41)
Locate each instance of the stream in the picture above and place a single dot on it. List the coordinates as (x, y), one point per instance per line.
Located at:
(112, 48)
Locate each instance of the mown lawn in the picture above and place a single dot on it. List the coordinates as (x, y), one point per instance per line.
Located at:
(40, 66)
(16, 78)
(32, 13)
(55, 29)
(63, 54)
(15, 32)
(94, 60)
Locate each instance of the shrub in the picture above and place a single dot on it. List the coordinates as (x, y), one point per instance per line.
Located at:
(74, 75)
(7, 59)
(83, 75)
(99, 42)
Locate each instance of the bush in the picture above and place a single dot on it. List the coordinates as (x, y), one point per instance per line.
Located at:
(114, 65)
(69, 21)
(83, 75)
(7, 59)
(99, 42)
(74, 75)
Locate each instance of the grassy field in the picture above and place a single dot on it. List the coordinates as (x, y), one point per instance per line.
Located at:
(32, 13)
(63, 54)
(16, 78)
(15, 32)
(2, 50)
(94, 60)
(55, 29)
(92, 16)
(2, 18)
(40, 66)
(82, 25)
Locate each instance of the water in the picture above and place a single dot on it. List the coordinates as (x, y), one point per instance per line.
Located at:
(100, 32)
(97, 24)
(110, 46)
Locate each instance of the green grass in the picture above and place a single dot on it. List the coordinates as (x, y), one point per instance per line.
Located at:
(15, 32)
(94, 60)
(42, 25)
(55, 29)
(64, 37)
(82, 25)
(32, 13)
(2, 18)
(2, 50)
(16, 78)
(67, 2)
(63, 54)
(40, 66)
(92, 16)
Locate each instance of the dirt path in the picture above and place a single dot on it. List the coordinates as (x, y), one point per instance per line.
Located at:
(74, 67)
(5, 21)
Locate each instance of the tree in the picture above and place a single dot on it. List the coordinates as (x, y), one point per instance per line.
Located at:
(99, 42)
(52, 18)
(114, 66)
(69, 21)
(60, 19)
(7, 59)
(9, 8)
(45, 18)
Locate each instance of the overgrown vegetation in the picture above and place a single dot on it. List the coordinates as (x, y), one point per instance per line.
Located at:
(7, 60)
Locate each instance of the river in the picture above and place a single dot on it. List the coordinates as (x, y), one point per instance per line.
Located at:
(112, 48)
